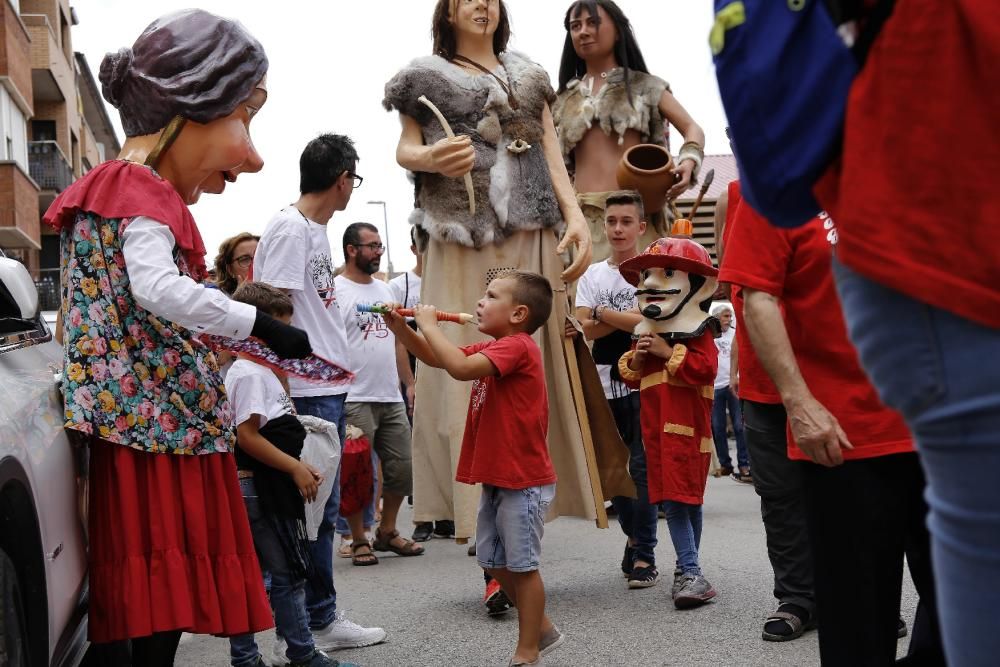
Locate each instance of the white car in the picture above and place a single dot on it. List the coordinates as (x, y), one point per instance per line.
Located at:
(43, 556)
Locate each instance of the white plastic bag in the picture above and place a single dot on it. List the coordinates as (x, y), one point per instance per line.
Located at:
(321, 450)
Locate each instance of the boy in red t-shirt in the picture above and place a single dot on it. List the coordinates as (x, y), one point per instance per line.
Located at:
(504, 447)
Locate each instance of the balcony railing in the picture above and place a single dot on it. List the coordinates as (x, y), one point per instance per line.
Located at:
(48, 166)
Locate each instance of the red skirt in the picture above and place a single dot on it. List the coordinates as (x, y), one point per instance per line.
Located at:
(170, 546)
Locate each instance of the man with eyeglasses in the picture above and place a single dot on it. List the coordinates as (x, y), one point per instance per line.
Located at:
(294, 255)
(374, 403)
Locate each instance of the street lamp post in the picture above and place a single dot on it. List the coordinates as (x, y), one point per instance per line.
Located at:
(385, 219)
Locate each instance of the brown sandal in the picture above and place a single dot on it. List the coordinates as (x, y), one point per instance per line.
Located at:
(362, 560)
(383, 542)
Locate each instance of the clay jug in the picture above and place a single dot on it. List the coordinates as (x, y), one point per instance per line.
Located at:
(649, 169)
(682, 228)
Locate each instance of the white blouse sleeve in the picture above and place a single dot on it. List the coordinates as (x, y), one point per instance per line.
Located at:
(158, 286)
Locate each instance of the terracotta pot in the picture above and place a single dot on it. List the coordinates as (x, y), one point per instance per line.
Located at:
(649, 169)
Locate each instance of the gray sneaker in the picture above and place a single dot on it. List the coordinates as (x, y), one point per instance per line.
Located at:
(694, 591)
(678, 573)
(550, 641)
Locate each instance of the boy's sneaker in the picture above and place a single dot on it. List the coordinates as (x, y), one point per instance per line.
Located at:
(342, 633)
(550, 641)
(628, 558)
(694, 591)
(320, 659)
(496, 600)
(444, 529)
(643, 577)
(423, 531)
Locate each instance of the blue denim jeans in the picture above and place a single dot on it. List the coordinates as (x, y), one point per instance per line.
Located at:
(288, 596)
(941, 372)
(636, 516)
(725, 399)
(322, 606)
(684, 524)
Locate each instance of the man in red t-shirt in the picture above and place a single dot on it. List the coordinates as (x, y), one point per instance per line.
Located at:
(914, 195)
(863, 484)
(776, 478)
(504, 447)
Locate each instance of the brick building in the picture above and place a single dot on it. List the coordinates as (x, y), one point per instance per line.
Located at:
(53, 128)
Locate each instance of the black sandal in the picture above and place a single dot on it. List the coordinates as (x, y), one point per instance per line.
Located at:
(361, 560)
(796, 624)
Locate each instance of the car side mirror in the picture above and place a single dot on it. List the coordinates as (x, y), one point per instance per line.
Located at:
(18, 295)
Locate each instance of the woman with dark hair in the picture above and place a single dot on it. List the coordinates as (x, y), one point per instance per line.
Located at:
(497, 101)
(170, 545)
(607, 103)
(232, 264)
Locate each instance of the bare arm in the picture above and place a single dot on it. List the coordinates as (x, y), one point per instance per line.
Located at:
(721, 206)
(611, 321)
(817, 432)
(451, 357)
(405, 372)
(678, 116)
(408, 338)
(450, 157)
(577, 232)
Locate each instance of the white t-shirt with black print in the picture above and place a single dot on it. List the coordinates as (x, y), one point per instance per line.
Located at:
(294, 254)
(373, 346)
(603, 285)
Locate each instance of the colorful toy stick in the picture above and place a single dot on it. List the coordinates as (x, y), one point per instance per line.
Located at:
(457, 318)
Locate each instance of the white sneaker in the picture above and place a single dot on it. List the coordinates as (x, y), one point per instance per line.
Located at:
(278, 657)
(342, 633)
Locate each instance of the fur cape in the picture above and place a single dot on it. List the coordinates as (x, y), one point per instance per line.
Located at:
(575, 112)
(513, 190)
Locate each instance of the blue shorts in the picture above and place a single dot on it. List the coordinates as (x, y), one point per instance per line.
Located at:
(510, 526)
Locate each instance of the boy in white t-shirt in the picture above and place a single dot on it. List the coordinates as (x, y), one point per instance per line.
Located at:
(607, 309)
(274, 483)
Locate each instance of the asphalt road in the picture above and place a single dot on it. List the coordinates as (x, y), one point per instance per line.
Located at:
(431, 605)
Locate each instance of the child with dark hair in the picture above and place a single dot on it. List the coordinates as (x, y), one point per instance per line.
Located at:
(274, 483)
(504, 447)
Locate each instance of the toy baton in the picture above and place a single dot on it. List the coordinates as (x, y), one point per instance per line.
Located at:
(457, 318)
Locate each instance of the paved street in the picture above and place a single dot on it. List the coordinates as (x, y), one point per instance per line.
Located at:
(430, 605)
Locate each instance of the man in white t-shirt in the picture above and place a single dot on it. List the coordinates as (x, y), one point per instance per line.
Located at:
(294, 255)
(725, 399)
(374, 403)
(607, 309)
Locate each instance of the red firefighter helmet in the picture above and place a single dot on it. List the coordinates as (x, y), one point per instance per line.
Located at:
(670, 253)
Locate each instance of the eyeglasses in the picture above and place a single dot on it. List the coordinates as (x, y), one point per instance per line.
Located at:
(374, 247)
(358, 180)
(243, 260)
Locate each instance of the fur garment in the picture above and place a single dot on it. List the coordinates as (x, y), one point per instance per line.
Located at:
(575, 111)
(513, 189)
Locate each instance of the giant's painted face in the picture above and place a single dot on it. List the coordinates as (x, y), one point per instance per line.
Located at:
(663, 293)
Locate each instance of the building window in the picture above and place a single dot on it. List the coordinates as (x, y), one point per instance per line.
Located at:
(43, 130)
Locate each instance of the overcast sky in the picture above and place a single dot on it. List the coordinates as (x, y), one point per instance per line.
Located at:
(329, 61)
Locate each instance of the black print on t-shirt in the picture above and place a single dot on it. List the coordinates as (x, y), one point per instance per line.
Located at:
(286, 404)
(371, 325)
(622, 300)
(321, 272)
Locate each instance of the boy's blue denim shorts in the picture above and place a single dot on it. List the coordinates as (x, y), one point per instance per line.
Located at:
(510, 527)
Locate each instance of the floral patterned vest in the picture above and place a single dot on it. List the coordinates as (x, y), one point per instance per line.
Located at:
(131, 378)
